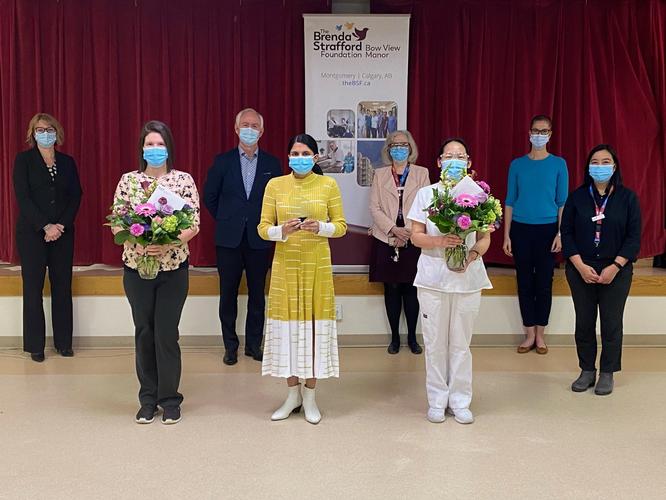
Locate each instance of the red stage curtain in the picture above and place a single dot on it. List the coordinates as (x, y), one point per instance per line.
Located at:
(104, 67)
(481, 68)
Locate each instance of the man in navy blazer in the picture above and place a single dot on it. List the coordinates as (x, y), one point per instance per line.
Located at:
(233, 195)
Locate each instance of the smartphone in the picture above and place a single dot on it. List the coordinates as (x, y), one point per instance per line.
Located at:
(302, 219)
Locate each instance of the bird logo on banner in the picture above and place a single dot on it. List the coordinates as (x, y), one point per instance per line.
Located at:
(360, 34)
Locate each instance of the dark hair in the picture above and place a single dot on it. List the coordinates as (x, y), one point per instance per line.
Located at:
(163, 130)
(306, 139)
(309, 141)
(541, 118)
(616, 179)
(454, 139)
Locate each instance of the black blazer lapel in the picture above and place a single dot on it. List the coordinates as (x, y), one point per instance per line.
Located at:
(237, 174)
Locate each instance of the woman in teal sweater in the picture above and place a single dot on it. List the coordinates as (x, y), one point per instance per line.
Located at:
(537, 190)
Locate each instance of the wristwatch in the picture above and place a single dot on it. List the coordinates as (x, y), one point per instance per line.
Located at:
(618, 265)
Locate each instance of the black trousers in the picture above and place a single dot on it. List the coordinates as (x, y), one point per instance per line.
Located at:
(609, 301)
(397, 296)
(36, 256)
(531, 244)
(230, 265)
(156, 308)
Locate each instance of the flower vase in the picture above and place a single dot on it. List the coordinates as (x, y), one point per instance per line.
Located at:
(148, 266)
(456, 257)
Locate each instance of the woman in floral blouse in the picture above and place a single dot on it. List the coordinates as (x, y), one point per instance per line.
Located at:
(157, 304)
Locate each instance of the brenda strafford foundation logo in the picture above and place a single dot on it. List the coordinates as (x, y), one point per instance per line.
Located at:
(349, 41)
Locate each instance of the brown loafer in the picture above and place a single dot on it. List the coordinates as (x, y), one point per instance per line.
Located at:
(542, 350)
(523, 350)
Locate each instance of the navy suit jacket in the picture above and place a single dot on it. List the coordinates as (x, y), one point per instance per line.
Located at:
(225, 198)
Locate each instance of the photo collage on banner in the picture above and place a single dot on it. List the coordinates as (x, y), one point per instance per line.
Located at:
(355, 95)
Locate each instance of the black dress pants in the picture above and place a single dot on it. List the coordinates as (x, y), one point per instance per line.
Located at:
(609, 300)
(531, 244)
(156, 309)
(230, 265)
(36, 256)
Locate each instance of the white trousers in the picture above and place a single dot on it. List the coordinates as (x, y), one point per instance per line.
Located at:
(447, 321)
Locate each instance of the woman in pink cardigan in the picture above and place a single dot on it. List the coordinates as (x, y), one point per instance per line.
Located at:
(393, 259)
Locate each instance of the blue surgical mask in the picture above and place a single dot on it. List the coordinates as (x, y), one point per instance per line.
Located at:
(301, 164)
(601, 173)
(46, 139)
(399, 153)
(248, 136)
(155, 157)
(454, 169)
(539, 141)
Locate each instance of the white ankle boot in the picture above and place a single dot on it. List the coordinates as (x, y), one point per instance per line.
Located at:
(312, 414)
(291, 405)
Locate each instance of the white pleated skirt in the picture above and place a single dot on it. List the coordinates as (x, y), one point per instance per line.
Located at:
(292, 350)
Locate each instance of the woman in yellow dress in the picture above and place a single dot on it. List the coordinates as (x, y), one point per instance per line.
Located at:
(300, 212)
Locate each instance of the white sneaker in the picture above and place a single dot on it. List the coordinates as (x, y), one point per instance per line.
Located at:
(291, 405)
(436, 416)
(462, 415)
(312, 413)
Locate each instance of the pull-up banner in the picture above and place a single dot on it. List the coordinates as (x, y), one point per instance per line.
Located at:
(355, 95)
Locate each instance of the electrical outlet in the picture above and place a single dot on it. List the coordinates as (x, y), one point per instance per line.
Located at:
(338, 312)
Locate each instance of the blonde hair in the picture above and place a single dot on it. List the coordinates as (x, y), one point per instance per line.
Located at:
(414, 151)
(45, 117)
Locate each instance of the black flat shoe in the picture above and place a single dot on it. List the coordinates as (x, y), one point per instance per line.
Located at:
(65, 353)
(230, 358)
(37, 356)
(415, 348)
(394, 348)
(256, 355)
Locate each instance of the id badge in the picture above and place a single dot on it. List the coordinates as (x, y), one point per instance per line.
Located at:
(598, 217)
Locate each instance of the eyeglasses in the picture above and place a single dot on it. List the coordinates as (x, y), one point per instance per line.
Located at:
(458, 156)
(540, 131)
(41, 130)
(399, 145)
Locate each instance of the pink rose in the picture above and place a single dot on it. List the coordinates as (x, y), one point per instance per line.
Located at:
(484, 186)
(158, 220)
(136, 230)
(464, 222)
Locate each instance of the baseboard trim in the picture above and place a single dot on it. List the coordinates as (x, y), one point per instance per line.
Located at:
(365, 340)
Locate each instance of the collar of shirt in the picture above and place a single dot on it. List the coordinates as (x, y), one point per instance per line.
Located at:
(244, 154)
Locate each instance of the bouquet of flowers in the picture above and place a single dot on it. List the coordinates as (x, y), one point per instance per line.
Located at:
(460, 209)
(148, 223)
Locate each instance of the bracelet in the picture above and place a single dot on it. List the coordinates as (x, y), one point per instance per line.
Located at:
(478, 255)
(618, 265)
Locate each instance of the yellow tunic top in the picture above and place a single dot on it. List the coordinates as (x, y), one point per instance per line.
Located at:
(301, 334)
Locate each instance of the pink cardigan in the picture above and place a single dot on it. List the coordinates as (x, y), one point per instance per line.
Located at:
(384, 199)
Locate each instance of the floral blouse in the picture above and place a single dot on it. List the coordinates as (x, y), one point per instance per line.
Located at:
(180, 183)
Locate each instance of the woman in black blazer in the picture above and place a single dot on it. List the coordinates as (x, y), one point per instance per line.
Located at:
(601, 234)
(48, 192)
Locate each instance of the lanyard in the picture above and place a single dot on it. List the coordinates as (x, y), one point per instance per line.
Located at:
(400, 185)
(599, 215)
(400, 181)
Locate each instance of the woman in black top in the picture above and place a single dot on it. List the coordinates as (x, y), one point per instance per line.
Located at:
(601, 231)
(48, 193)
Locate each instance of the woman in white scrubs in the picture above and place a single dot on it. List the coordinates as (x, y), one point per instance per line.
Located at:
(449, 300)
